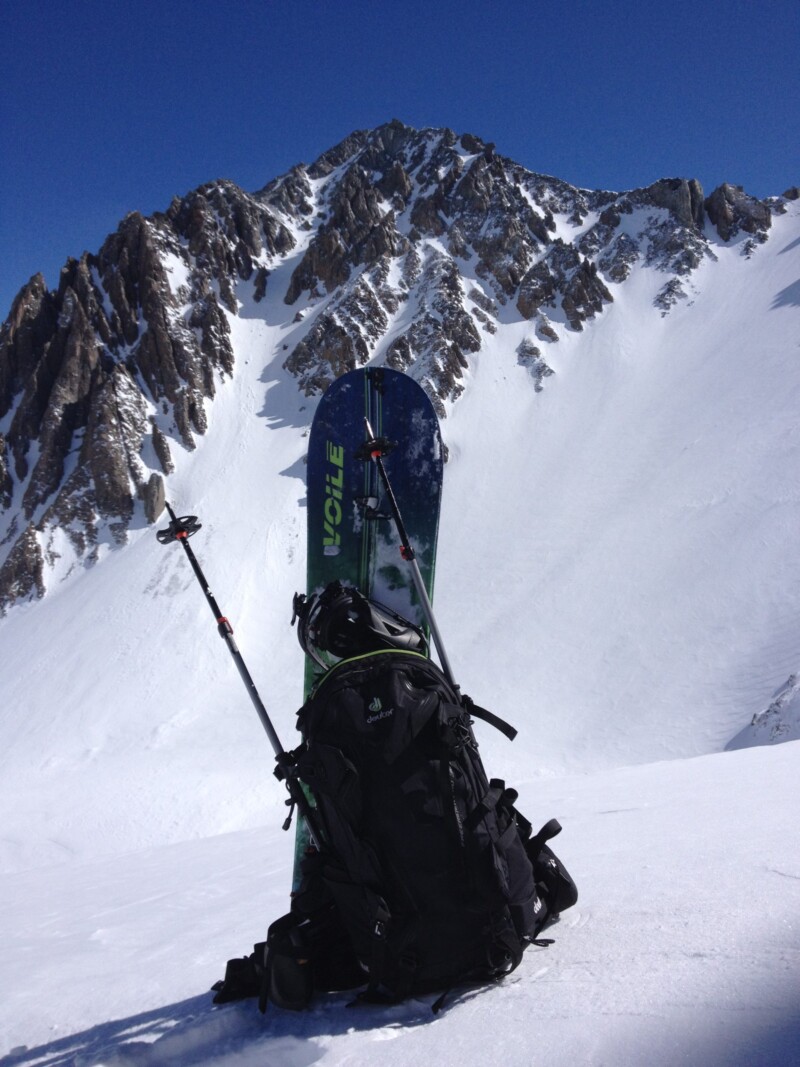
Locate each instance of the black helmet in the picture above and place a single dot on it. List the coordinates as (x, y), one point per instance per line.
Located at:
(341, 621)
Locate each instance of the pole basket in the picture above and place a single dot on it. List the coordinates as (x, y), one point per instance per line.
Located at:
(180, 529)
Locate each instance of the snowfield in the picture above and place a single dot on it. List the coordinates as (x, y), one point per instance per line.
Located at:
(618, 577)
(683, 948)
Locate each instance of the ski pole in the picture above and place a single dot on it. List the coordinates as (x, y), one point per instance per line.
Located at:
(181, 529)
(375, 448)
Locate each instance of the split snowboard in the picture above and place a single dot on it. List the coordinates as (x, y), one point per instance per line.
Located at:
(352, 534)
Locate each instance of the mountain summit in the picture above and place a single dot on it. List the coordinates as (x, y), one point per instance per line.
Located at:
(402, 245)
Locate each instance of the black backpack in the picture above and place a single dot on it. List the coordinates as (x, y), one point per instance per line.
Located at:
(429, 877)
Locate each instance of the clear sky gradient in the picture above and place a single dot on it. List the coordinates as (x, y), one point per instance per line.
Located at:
(111, 106)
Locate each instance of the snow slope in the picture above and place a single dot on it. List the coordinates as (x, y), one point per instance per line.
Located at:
(618, 577)
(683, 948)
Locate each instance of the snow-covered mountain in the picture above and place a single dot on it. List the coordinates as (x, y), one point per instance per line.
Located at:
(618, 377)
(413, 247)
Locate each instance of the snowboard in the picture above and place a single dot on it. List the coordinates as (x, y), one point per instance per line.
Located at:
(351, 534)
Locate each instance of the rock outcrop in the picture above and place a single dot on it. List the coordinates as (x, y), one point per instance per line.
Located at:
(732, 211)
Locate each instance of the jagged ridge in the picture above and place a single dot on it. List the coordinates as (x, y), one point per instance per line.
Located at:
(413, 243)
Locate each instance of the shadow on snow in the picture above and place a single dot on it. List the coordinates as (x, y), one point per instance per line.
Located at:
(195, 1031)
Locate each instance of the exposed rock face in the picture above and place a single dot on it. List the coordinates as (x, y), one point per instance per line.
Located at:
(23, 570)
(154, 497)
(117, 363)
(566, 275)
(410, 246)
(683, 199)
(394, 204)
(732, 211)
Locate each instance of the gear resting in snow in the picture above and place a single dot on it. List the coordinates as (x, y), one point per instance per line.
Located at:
(428, 876)
(414, 871)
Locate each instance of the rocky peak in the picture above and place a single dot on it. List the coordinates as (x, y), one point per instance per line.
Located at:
(408, 246)
(32, 320)
(117, 364)
(396, 200)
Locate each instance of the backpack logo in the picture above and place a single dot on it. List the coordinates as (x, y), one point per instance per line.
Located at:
(376, 707)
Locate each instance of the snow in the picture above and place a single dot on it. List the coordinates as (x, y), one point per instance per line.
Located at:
(618, 577)
(683, 947)
(178, 273)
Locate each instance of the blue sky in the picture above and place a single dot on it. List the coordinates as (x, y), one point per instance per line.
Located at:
(111, 106)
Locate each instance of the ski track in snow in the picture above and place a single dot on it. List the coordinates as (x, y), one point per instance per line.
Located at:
(617, 576)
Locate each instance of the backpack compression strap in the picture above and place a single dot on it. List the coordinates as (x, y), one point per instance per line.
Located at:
(478, 712)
